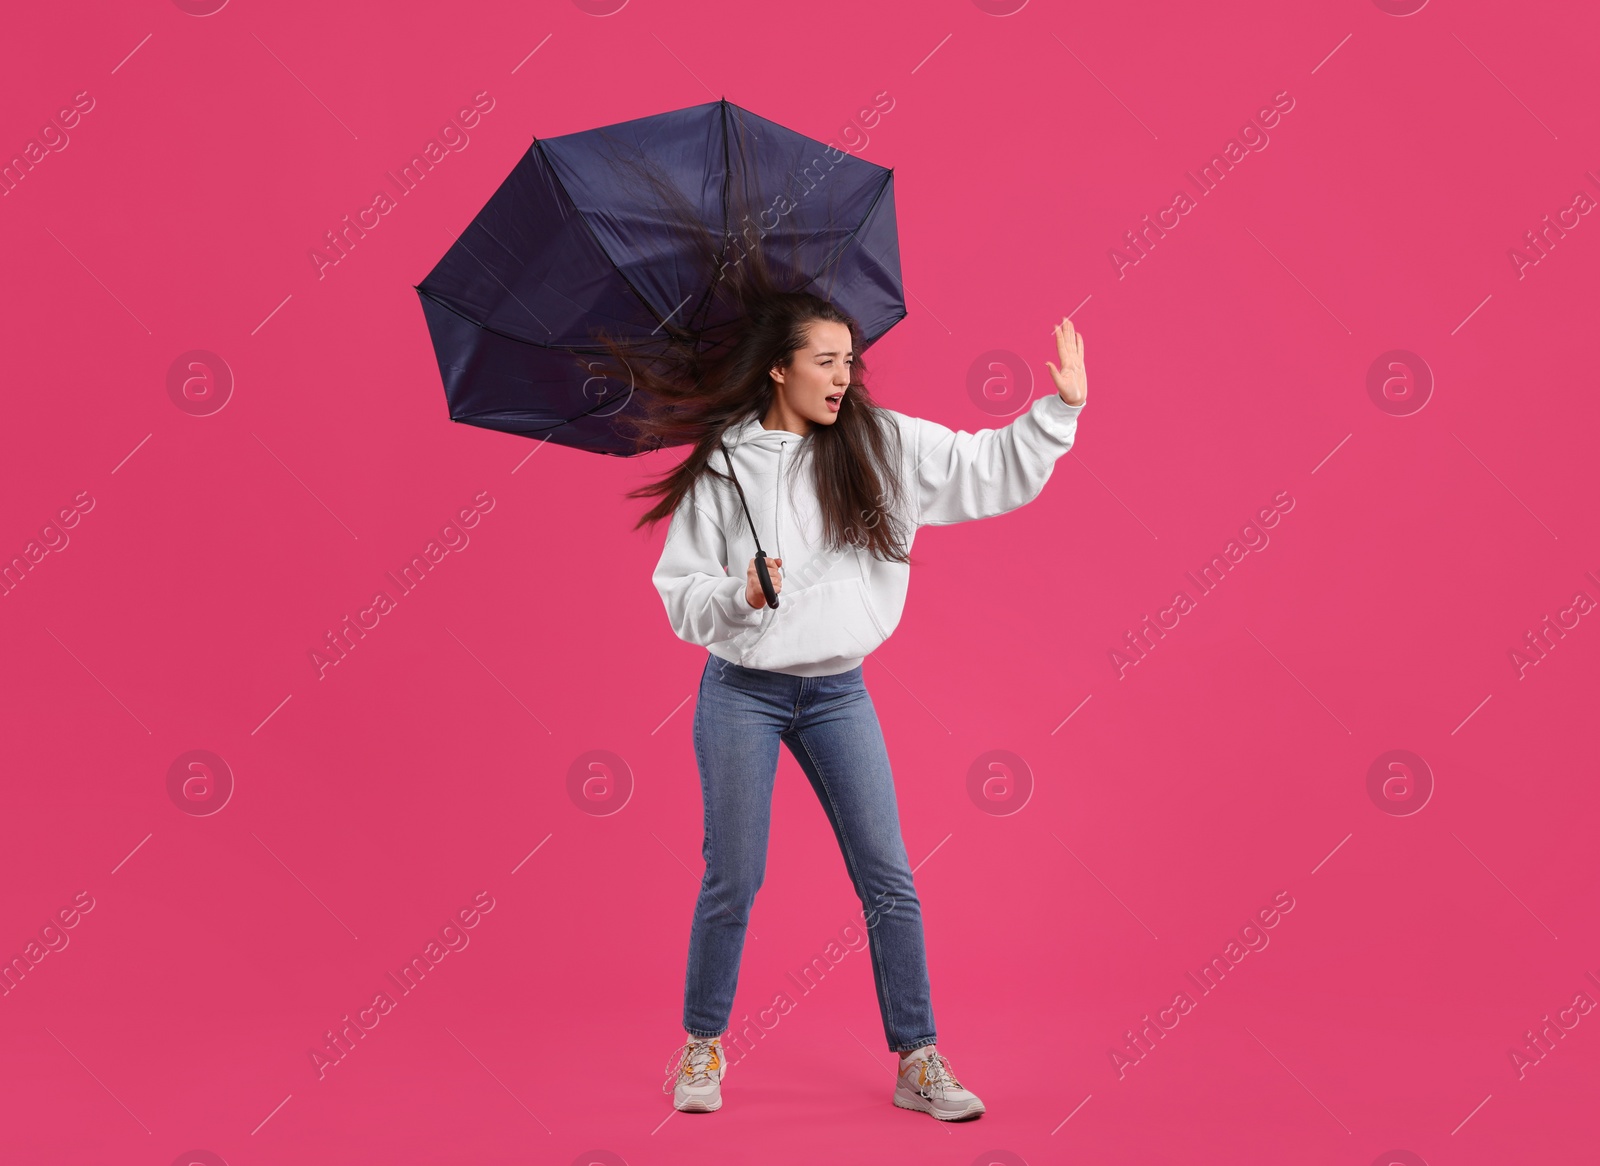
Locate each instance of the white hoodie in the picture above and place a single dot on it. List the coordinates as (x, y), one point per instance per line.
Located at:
(835, 606)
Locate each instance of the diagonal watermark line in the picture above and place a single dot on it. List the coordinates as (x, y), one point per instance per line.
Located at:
(1302, 1084)
(1070, 715)
(876, 658)
(1472, 714)
(1079, 459)
(1506, 87)
(1331, 51)
(664, 1120)
(1468, 1118)
(671, 314)
(1472, 313)
(533, 852)
(131, 452)
(498, 681)
(913, 294)
(272, 313)
(270, 1116)
(686, 68)
(933, 50)
(98, 681)
(133, 852)
(1102, 882)
(100, 281)
(521, 303)
(1298, 681)
(1509, 891)
(1299, 281)
(272, 714)
(1504, 487)
(1069, 1116)
(497, 1080)
(301, 881)
(99, 1082)
(720, 899)
(1077, 309)
(673, 713)
(304, 86)
(1333, 852)
(862, 243)
(1331, 452)
(933, 852)
(1107, 88)
(535, 49)
(131, 51)
(869, 1052)
(543, 441)
(307, 489)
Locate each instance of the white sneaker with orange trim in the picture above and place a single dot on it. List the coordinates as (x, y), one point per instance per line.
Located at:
(695, 1076)
(925, 1083)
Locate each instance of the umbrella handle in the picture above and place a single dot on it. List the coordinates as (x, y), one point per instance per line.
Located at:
(766, 579)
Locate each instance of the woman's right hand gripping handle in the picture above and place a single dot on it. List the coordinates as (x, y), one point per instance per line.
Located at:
(754, 595)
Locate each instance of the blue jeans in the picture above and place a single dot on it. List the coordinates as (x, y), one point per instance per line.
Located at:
(830, 726)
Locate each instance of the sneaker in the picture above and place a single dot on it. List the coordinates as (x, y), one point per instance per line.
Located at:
(695, 1076)
(926, 1084)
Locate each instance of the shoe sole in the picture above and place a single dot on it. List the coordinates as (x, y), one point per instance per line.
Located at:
(920, 1105)
(699, 1107)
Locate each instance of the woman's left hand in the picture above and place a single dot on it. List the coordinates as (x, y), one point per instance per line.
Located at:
(1070, 380)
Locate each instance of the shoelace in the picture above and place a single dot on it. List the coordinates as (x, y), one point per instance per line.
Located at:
(692, 1060)
(936, 1074)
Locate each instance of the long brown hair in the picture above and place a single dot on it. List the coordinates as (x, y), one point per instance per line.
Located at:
(707, 371)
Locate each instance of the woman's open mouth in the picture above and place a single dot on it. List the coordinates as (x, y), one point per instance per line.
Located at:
(833, 402)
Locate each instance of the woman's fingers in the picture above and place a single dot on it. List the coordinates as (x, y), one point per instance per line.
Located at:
(1068, 342)
(1069, 350)
(753, 591)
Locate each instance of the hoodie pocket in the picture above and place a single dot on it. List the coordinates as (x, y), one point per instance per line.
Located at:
(825, 621)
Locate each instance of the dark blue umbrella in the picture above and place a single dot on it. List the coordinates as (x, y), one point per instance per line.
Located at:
(563, 248)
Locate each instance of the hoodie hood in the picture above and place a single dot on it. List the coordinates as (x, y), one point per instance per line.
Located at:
(753, 432)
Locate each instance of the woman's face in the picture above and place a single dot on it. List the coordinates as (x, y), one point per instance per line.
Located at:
(814, 384)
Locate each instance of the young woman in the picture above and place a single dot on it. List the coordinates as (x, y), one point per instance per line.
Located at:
(791, 454)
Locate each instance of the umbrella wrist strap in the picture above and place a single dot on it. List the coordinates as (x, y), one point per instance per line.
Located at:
(767, 589)
(729, 462)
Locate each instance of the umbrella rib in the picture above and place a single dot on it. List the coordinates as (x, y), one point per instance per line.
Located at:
(865, 219)
(584, 219)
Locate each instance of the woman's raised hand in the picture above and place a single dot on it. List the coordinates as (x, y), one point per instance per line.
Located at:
(1070, 380)
(753, 594)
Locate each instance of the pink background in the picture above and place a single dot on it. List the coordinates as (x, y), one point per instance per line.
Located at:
(1228, 366)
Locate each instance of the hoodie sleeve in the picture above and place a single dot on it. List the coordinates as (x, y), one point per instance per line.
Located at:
(961, 476)
(705, 603)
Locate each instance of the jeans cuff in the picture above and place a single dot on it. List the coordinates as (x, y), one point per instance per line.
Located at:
(919, 1044)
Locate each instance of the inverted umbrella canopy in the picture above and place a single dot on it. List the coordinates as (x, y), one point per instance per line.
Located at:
(563, 249)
